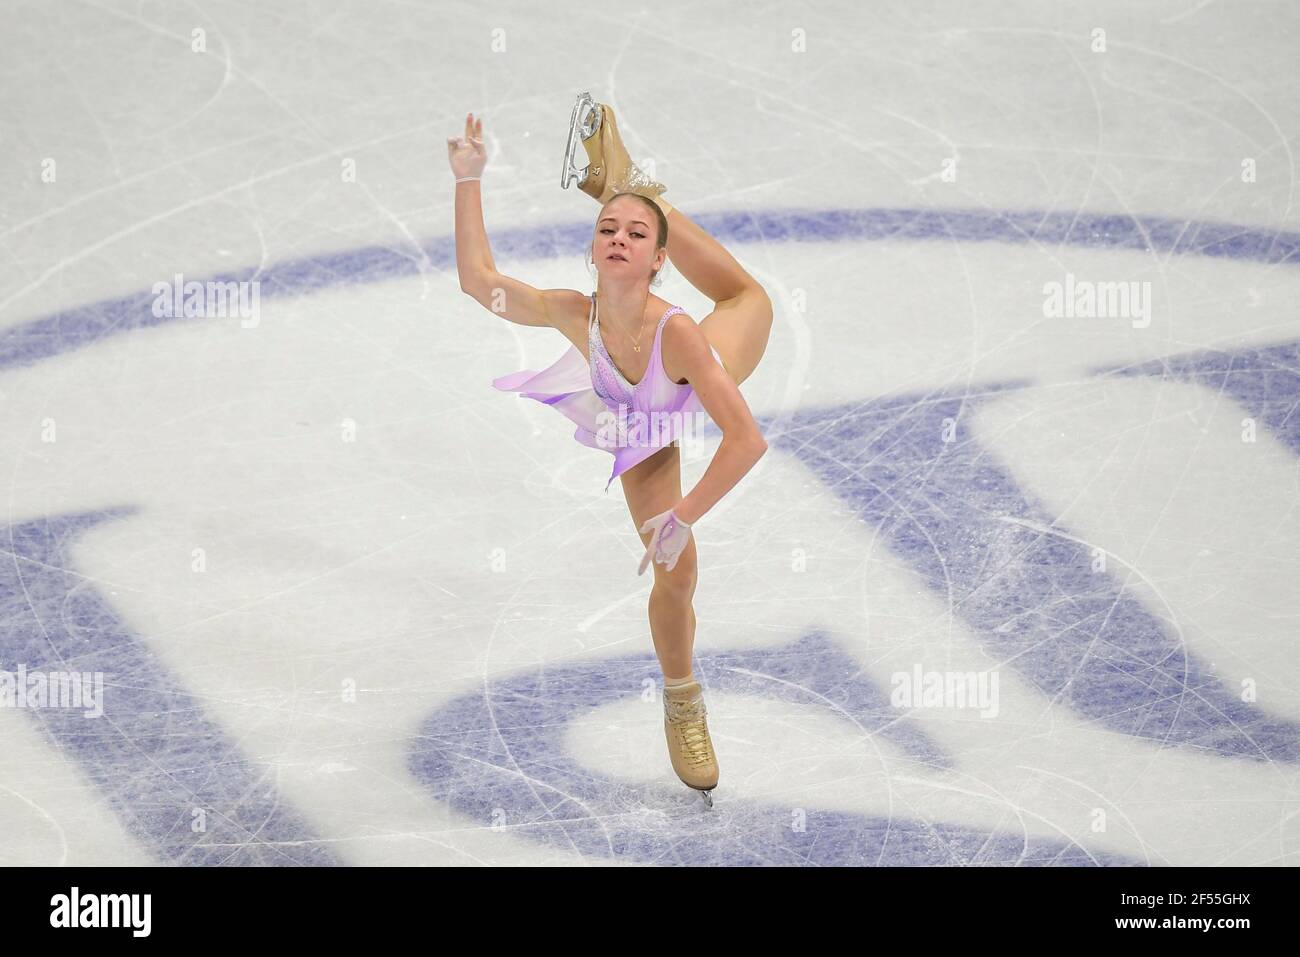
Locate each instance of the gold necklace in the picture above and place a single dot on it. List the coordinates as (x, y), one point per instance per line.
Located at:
(636, 344)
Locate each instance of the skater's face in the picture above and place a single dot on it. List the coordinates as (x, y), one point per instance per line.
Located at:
(625, 244)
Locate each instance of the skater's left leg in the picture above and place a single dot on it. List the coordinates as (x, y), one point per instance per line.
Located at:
(739, 326)
(741, 320)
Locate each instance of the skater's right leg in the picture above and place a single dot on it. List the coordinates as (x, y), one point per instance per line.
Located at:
(672, 620)
(652, 487)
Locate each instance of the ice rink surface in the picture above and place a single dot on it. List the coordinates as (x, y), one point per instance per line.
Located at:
(351, 605)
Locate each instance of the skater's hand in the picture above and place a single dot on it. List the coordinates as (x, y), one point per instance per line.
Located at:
(466, 153)
(666, 544)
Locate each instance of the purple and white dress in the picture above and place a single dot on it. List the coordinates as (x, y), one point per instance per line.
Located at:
(605, 406)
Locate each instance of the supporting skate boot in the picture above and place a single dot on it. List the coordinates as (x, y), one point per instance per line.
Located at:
(610, 170)
(689, 746)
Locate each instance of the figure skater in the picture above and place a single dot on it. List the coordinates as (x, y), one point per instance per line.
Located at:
(617, 370)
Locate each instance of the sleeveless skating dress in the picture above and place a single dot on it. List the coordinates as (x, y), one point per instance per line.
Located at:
(631, 422)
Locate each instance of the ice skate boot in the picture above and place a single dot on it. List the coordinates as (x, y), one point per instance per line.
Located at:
(610, 170)
(689, 746)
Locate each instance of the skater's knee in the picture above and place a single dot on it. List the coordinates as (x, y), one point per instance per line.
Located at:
(751, 296)
(762, 302)
(676, 586)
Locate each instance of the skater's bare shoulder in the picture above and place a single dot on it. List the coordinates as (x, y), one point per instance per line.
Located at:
(687, 357)
(520, 303)
(684, 351)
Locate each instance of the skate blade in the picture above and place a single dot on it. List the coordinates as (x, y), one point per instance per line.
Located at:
(705, 793)
(584, 123)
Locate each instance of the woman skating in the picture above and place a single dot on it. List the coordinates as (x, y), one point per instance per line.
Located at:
(635, 357)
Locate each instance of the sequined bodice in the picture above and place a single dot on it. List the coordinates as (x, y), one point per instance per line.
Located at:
(610, 384)
(586, 388)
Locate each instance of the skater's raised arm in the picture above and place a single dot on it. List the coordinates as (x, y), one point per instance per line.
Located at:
(506, 297)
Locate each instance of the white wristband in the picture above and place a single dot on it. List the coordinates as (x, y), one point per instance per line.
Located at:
(466, 179)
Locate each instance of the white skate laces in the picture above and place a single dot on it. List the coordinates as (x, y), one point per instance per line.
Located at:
(689, 718)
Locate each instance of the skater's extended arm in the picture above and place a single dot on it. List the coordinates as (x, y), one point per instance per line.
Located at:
(509, 298)
(742, 442)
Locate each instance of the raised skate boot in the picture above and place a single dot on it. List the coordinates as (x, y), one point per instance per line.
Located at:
(610, 170)
(689, 746)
